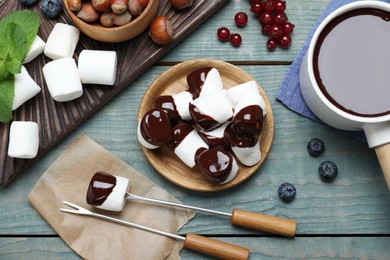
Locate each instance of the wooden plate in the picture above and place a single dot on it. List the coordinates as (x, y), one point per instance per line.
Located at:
(165, 161)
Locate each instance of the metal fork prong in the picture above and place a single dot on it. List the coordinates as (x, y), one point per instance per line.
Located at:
(77, 210)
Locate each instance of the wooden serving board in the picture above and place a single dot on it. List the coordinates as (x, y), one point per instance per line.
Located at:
(56, 120)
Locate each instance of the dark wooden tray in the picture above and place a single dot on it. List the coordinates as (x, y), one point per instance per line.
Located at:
(56, 120)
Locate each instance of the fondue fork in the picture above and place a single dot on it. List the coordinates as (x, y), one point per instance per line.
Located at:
(272, 224)
(191, 241)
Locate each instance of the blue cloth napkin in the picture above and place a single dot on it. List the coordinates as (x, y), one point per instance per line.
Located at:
(290, 93)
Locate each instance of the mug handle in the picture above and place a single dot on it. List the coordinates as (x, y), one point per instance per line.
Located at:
(383, 154)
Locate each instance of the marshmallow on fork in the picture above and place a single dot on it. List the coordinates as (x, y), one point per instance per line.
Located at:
(25, 88)
(211, 111)
(62, 79)
(187, 143)
(235, 92)
(204, 81)
(37, 47)
(108, 192)
(62, 41)
(176, 106)
(97, 67)
(23, 140)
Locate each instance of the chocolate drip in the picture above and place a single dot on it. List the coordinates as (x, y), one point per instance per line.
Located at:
(167, 104)
(248, 121)
(156, 127)
(216, 164)
(237, 140)
(179, 132)
(205, 122)
(196, 79)
(100, 187)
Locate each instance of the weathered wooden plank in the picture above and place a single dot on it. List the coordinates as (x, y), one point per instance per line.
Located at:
(356, 203)
(203, 42)
(261, 248)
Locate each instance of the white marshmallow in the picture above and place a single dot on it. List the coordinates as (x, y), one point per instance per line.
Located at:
(233, 172)
(62, 41)
(249, 99)
(248, 156)
(186, 150)
(212, 84)
(216, 105)
(218, 132)
(142, 140)
(62, 78)
(182, 101)
(25, 88)
(97, 67)
(23, 140)
(117, 198)
(37, 47)
(235, 92)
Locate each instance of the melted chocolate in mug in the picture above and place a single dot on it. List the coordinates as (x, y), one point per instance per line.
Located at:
(352, 62)
(100, 187)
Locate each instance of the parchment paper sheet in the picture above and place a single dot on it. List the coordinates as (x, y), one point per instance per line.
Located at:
(68, 179)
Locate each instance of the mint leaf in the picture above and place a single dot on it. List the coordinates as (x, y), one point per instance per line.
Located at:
(29, 22)
(7, 90)
(17, 33)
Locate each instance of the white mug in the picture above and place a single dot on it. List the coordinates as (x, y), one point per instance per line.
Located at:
(376, 128)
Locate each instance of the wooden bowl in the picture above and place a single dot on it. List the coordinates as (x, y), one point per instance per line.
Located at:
(118, 33)
(165, 161)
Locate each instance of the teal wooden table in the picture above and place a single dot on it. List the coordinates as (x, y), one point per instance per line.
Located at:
(348, 218)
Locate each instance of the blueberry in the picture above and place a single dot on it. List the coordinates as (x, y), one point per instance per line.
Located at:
(287, 192)
(52, 8)
(315, 147)
(328, 171)
(28, 2)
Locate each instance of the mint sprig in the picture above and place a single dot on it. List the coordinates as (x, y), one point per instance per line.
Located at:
(17, 33)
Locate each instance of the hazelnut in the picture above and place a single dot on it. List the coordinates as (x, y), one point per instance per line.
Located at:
(102, 5)
(107, 19)
(136, 7)
(119, 6)
(88, 13)
(181, 4)
(122, 19)
(161, 30)
(75, 5)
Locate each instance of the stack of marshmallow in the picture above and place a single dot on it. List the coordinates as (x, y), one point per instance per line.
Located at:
(227, 123)
(63, 77)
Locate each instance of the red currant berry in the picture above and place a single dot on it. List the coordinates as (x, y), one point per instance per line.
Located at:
(265, 28)
(266, 18)
(272, 44)
(241, 18)
(223, 34)
(235, 39)
(280, 6)
(280, 18)
(288, 27)
(285, 41)
(269, 5)
(275, 31)
(256, 8)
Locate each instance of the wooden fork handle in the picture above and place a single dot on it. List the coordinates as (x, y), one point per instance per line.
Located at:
(272, 224)
(215, 248)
